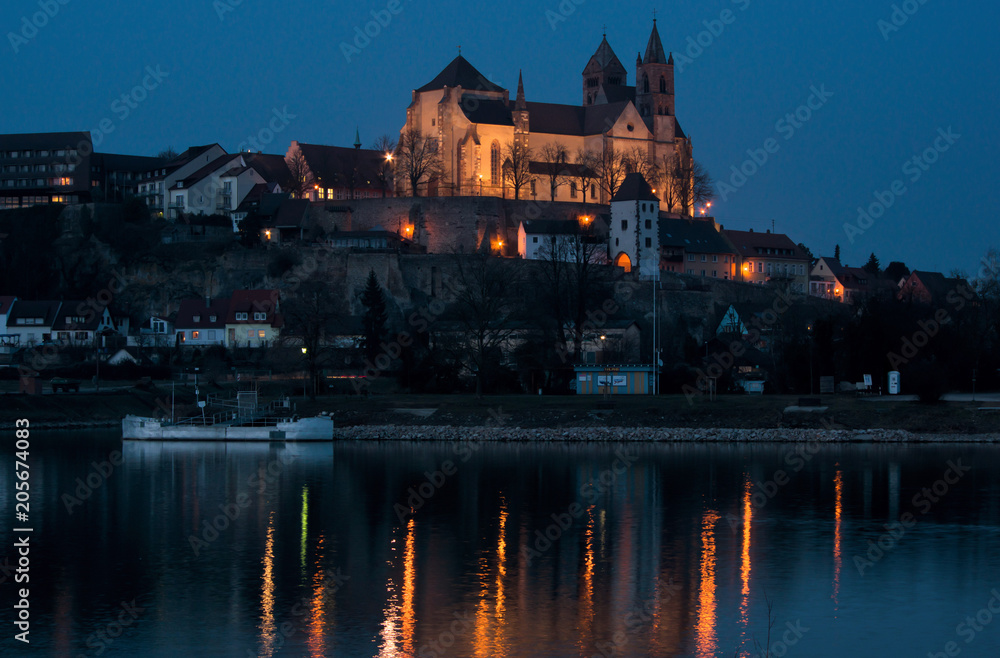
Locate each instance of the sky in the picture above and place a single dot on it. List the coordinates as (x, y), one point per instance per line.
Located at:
(888, 82)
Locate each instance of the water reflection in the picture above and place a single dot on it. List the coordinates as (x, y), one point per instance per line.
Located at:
(671, 559)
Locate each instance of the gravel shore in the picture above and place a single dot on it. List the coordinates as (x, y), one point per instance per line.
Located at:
(583, 434)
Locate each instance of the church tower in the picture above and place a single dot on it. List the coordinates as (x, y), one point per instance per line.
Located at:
(654, 81)
(604, 68)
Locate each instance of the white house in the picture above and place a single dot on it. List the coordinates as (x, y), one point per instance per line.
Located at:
(155, 185)
(633, 240)
(79, 323)
(201, 322)
(30, 323)
(561, 239)
(253, 319)
(159, 333)
(217, 188)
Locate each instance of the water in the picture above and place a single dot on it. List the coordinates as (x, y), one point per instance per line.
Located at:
(317, 552)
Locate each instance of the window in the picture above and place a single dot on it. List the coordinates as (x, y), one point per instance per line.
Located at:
(760, 267)
(213, 318)
(211, 334)
(495, 162)
(644, 207)
(196, 318)
(593, 191)
(195, 334)
(649, 224)
(715, 274)
(159, 327)
(534, 240)
(624, 224)
(572, 190)
(259, 317)
(249, 333)
(663, 85)
(261, 334)
(241, 316)
(704, 258)
(649, 242)
(715, 259)
(322, 193)
(690, 258)
(533, 190)
(703, 272)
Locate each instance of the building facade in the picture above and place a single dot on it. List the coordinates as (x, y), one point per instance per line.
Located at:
(633, 238)
(771, 258)
(41, 168)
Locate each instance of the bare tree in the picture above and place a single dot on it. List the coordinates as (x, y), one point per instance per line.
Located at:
(610, 169)
(554, 167)
(301, 175)
(586, 169)
(485, 303)
(417, 158)
(516, 165)
(685, 184)
(637, 160)
(167, 154)
(386, 171)
(309, 319)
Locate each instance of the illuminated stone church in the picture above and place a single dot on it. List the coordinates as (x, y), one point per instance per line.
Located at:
(473, 119)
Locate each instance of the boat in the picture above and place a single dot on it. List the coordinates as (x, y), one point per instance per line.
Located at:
(241, 419)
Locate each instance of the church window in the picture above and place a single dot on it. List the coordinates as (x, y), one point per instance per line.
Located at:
(533, 190)
(433, 122)
(663, 85)
(572, 190)
(593, 191)
(495, 162)
(645, 84)
(589, 100)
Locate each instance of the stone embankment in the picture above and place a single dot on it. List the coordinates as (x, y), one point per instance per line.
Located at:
(644, 434)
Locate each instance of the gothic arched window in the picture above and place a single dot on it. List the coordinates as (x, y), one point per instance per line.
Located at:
(495, 162)
(645, 84)
(663, 85)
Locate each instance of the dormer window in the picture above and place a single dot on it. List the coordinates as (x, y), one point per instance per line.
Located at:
(196, 318)
(241, 316)
(213, 318)
(259, 317)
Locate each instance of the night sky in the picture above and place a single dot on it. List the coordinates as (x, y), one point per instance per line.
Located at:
(231, 63)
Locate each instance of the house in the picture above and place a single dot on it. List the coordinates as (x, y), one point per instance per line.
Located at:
(336, 173)
(31, 322)
(253, 319)
(831, 280)
(633, 238)
(697, 247)
(159, 332)
(616, 340)
(929, 288)
(201, 322)
(41, 168)
(771, 258)
(8, 342)
(560, 239)
(377, 239)
(155, 185)
(116, 177)
(285, 219)
(79, 324)
(216, 188)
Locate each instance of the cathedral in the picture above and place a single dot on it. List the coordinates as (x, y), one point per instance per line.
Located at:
(474, 121)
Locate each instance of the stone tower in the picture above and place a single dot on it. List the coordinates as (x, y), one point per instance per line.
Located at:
(654, 82)
(604, 68)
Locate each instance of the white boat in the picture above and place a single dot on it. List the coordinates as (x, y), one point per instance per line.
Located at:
(241, 419)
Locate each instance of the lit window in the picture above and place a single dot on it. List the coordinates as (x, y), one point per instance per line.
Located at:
(195, 334)
(261, 334)
(250, 333)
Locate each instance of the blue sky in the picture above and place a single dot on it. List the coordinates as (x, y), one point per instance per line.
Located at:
(229, 64)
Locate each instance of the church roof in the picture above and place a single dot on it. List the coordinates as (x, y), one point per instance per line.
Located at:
(551, 118)
(460, 73)
(618, 93)
(635, 188)
(654, 49)
(605, 57)
(488, 111)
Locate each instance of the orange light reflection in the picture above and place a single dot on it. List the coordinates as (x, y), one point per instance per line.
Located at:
(316, 634)
(706, 641)
(838, 508)
(745, 555)
(409, 577)
(267, 628)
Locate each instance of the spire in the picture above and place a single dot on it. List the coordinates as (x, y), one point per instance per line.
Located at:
(520, 103)
(654, 49)
(670, 60)
(357, 138)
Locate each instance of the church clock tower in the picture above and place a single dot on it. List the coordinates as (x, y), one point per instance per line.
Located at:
(654, 82)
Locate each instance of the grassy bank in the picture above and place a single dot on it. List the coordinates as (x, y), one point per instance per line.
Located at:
(537, 412)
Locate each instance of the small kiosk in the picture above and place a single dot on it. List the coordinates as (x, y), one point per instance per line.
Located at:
(607, 379)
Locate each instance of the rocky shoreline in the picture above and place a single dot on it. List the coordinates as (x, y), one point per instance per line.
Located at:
(646, 434)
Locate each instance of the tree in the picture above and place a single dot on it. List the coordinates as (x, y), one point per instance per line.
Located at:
(586, 169)
(808, 252)
(385, 174)
(516, 165)
(554, 167)
(873, 267)
(836, 253)
(485, 304)
(301, 175)
(895, 271)
(609, 167)
(375, 317)
(637, 160)
(310, 314)
(685, 184)
(167, 154)
(417, 158)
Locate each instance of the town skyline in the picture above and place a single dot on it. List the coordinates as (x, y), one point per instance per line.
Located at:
(855, 149)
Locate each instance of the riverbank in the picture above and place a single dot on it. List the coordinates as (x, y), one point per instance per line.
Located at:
(577, 417)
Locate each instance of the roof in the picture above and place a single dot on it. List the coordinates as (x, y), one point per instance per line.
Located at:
(221, 162)
(937, 284)
(694, 236)
(635, 188)
(488, 111)
(460, 73)
(204, 310)
(44, 141)
(654, 49)
(748, 242)
(604, 57)
(291, 212)
(5, 303)
(253, 301)
(272, 168)
(133, 163)
(253, 198)
(550, 227)
(46, 310)
(618, 93)
(333, 166)
(77, 315)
